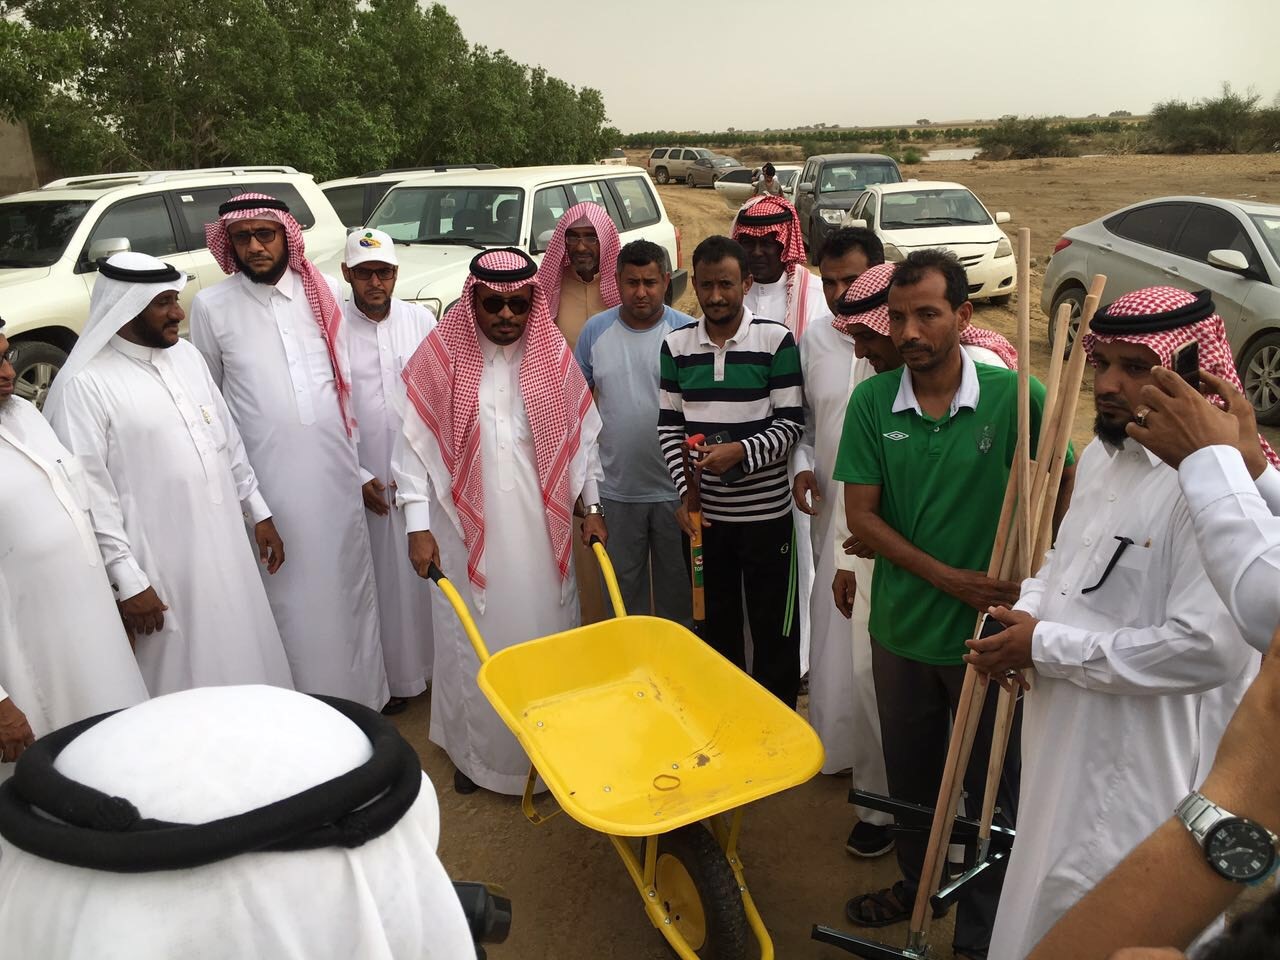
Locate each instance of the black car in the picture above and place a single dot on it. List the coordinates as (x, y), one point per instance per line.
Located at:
(829, 185)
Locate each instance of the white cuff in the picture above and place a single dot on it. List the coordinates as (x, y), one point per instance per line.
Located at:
(365, 476)
(1268, 486)
(801, 458)
(1212, 473)
(417, 516)
(590, 492)
(1055, 650)
(255, 508)
(127, 578)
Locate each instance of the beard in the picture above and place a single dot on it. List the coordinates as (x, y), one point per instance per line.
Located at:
(1110, 432)
(271, 278)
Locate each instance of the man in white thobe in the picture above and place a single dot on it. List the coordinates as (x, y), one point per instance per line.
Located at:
(1136, 665)
(500, 449)
(64, 655)
(168, 477)
(272, 334)
(266, 825)
(383, 334)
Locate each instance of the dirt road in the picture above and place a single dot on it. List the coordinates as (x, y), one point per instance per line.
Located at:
(573, 900)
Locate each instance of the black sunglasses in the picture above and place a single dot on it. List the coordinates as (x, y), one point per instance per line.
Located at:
(368, 273)
(263, 235)
(517, 305)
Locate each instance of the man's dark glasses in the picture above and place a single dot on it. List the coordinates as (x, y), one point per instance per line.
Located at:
(517, 305)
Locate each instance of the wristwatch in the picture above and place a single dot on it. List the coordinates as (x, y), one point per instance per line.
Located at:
(1236, 848)
(595, 510)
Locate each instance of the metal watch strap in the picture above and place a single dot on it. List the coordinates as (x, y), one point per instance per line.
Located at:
(1198, 814)
(595, 509)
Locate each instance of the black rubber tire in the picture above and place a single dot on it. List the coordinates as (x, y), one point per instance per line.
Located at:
(1003, 300)
(1264, 353)
(31, 360)
(728, 936)
(660, 175)
(690, 181)
(1075, 294)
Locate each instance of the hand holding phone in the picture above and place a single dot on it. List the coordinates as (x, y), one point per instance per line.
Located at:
(734, 473)
(1186, 363)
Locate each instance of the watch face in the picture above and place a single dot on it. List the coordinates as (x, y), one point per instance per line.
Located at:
(1239, 850)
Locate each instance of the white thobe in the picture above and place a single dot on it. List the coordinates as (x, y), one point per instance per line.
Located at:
(769, 300)
(842, 693)
(168, 477)
(1133, 683)
(63, 651)
(379, 352)
(525, 597)
(1237, 524)
(266, 352)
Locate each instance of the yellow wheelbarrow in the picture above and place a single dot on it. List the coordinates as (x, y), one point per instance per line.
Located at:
(643, 732)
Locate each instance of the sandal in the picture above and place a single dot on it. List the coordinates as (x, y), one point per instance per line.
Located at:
(395, 705)
(879, 909)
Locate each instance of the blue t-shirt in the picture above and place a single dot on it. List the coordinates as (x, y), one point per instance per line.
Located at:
(621, 365)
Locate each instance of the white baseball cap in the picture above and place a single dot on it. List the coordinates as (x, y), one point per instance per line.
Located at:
(366, 245)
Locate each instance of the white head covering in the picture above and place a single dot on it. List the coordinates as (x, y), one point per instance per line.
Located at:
(215, 752)
(126, 283)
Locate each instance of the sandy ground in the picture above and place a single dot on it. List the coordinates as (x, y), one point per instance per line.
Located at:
(572, 897)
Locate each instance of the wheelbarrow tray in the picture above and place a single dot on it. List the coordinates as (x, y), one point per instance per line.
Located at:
(638, 727)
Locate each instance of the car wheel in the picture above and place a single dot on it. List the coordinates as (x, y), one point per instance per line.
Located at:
(691, 182)
(36, 364)
(1002, 300)
(660, 175)
(1074, 295)
(1260, 374)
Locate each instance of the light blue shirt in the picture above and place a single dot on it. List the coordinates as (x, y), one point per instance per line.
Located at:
(621, 365)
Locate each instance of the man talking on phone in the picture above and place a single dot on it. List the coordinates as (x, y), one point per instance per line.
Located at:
(1204, 428)
(1135, 665)
(735, 378)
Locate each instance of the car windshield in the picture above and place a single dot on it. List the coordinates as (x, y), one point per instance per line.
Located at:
(726, 162)
(34, 234)
(853, 177)
(703, 152)
(931, 208)
(1269, 226)
(468, 216)
(787, 177)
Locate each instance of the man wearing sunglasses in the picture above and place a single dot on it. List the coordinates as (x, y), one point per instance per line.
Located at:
(1136, 664)
(275, 339)
(384, 332)
(498, 452)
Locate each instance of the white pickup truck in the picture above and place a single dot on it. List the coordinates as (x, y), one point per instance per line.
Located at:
(440, 221)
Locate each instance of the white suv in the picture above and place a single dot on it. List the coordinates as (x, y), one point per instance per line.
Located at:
(52, 238)
(442, 220)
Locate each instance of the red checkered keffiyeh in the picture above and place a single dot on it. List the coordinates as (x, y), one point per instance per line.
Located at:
(443, 381)
(1163, 319)
(326, 309)
(772, 216)
(866, 302)
(556, 260)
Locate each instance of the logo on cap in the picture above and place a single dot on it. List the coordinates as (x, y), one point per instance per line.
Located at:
(369, 240)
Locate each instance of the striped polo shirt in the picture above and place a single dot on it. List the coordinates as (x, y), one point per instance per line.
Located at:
(750, 388)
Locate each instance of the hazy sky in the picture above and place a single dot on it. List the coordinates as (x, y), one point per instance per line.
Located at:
(700, 65)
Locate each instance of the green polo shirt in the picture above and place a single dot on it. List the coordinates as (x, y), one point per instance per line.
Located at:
(942, 484)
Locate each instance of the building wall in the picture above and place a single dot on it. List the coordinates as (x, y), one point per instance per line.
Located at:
(17, 160)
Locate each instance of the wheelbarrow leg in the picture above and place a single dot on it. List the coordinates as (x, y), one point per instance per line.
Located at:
(644, 876)
(728, 838)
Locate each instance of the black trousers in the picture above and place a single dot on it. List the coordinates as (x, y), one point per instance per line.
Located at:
(757, 559)
(917, 702)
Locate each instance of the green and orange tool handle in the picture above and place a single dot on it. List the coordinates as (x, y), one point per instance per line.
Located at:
(693, 505)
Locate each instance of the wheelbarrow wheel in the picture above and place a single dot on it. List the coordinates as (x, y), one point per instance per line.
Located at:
(697, 888)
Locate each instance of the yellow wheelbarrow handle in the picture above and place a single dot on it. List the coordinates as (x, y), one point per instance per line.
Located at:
(469, 625)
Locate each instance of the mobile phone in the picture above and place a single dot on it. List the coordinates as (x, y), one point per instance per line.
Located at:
(733, 474)
(990, 627)
(1186, 362)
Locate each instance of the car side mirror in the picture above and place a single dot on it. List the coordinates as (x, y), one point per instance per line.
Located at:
(805, 188)
(107, 247)
(1232, 260)
(857, 223)
(1003, 217)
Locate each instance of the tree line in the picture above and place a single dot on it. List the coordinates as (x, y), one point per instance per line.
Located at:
(333, 87)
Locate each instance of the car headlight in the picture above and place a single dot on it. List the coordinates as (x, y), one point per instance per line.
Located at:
(832, 216)
(892, 254)
(1004, 248)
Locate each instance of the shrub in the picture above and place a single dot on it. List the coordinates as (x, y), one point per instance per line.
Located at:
(911, 156)
(1018, 139)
